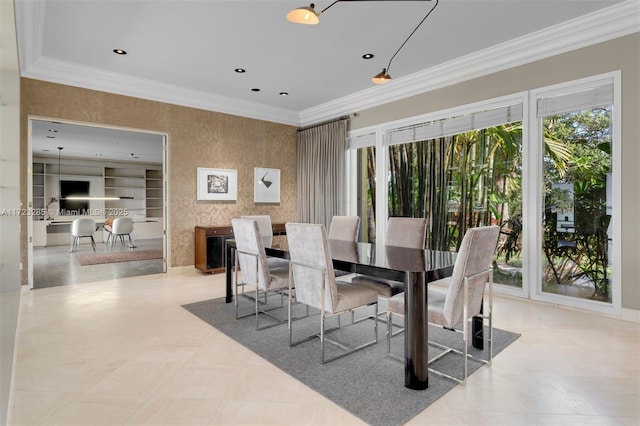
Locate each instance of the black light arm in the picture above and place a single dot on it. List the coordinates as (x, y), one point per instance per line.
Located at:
(339, 1)
(414, 30)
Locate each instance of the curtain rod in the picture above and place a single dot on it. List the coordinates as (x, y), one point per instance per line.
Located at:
(322, 123)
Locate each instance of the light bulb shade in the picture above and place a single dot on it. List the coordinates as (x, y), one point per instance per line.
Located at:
(303, 15)
(382, 77)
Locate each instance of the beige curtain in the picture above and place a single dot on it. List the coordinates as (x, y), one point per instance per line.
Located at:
(321, 172)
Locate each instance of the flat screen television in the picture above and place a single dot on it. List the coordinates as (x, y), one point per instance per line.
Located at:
(74, 188)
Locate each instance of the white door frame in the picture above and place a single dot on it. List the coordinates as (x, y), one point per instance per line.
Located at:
(166, 237)
(536, 200)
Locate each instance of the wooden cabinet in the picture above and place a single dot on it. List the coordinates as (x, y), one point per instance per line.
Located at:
(209, 246)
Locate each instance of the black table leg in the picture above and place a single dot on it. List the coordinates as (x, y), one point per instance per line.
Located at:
(230, 259)
(416, 332)
(477, 332)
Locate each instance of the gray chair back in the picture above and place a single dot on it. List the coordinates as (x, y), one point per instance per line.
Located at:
(83, 227)
(406, 232)
(122, 226)
(264, 224)
(475, 255)
(309, 255)
(344, 228)
(250, 249)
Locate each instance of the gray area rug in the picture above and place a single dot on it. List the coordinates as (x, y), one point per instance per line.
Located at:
(367, 383)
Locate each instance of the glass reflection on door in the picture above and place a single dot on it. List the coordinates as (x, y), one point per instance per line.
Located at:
(577, 230)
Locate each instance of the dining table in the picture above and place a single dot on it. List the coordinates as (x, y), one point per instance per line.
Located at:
(415, 267)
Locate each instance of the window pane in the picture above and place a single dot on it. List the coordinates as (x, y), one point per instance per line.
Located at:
(462, 181)
(367, 193)
(577, 215)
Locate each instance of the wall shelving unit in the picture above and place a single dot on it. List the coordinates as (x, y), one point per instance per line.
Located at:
(129, 185)
(139, 192)
(39, 202)
(153, 193)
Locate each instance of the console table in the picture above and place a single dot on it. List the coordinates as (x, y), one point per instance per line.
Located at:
(209, 246)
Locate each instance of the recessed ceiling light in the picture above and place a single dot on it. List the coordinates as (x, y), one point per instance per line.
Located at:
(45, 150)
(255, 89)
(98, 154)
(367, 56)
(53, 131)
(240, 70)
(119, 51)
(284, 93)
(50, 137)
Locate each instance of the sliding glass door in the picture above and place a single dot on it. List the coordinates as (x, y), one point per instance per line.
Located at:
(577, 146)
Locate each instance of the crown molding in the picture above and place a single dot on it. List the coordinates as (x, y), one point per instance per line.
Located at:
(606, 24)
(30, 16)
(62, 72)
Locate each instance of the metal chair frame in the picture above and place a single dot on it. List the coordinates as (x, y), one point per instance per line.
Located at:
(465, 332)
(256, 296)
(324, 316)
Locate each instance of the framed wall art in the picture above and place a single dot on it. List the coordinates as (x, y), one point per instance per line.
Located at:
(217, 184)
(266, 185)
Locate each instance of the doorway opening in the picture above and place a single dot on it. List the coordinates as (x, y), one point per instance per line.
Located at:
(115, 174)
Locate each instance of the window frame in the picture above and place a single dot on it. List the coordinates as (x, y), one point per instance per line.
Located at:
(531, 184)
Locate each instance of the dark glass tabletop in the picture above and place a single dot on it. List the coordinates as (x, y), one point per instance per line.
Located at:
(393, 260)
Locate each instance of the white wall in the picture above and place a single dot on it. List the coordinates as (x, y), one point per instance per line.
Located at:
(9, 199)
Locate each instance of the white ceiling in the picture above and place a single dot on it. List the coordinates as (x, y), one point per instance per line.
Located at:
(94, 143)
(185, 52)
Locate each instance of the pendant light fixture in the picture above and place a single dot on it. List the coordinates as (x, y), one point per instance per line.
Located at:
(307, 15)
(60, 148)
(381, 77)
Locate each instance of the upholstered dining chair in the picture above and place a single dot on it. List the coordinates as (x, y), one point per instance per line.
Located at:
(265, 230)
(122, 226)
(344, 228)
(264, 224)
(311, 270)
(463, 298)
(405, 232)
(252, 260)
(81, 228)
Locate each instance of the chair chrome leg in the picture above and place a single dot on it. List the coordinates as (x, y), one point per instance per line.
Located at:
(258, 309)
(464, 328)
(322, 333)
(375, 318)
(389, 331)
(490, 314)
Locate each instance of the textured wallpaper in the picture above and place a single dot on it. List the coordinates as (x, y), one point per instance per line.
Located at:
(197, 138)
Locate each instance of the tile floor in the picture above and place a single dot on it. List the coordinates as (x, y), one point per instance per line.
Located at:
(123, 352)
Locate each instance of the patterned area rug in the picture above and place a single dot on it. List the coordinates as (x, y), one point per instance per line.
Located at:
(129, 256)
